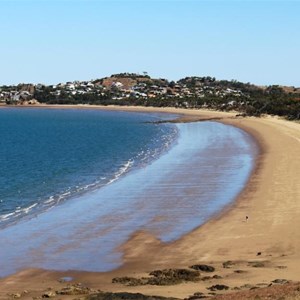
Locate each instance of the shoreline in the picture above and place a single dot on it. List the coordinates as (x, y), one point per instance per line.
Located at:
(239, 241)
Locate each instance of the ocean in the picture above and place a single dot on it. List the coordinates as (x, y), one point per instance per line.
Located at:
(76, 184)
(48, 156)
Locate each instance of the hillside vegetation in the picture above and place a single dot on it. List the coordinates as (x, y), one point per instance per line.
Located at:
(189, 92)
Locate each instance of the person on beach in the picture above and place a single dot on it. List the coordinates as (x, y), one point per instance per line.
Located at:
(247, 218)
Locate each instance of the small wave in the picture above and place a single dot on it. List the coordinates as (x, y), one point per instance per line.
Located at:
(50, 200)
(19, 211)
(65, 194)
(29, 208)
(121, 171)
(6, 216)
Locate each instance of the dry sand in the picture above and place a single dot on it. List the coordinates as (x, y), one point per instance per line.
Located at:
(271, 200)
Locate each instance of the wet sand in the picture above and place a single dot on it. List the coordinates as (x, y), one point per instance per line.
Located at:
(271, 200)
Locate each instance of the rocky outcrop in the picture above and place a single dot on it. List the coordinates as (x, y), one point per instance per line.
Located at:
(161, 277)
(124, 295)
(204, 268)
(75, 289)
(218, 287)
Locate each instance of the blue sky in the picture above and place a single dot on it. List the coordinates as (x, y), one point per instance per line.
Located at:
(56, 41)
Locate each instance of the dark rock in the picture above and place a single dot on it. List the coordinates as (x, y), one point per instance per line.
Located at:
(130, 281)
(164, 281)
(240, 271)
(241, 115)
(161, 277)
(217, 277)
(196, 296)
(256, 264)
(200, 295)
(262, 284)
(49, 294)
(218, 287)
(281, 267)
(228, 264)
(180, 274)
(204, 278)
(76, 289)
(258, 253)
(247, 286)
(280, 281)
(125, 296)
(204, 268)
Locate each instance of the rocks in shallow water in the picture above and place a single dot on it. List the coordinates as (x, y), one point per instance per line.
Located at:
(218, 287)
(124, 295)
(204, 268)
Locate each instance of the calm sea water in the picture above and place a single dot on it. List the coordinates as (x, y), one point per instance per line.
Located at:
(47, 156)
(120, 175)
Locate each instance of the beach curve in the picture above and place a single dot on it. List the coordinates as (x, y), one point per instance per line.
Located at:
(269, 200)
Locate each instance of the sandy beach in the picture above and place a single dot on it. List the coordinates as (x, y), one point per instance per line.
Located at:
(264, 247)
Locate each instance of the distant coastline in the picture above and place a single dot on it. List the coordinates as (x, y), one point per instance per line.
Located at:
(128, 89)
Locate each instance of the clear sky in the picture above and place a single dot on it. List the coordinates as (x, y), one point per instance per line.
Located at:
(51, 41)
